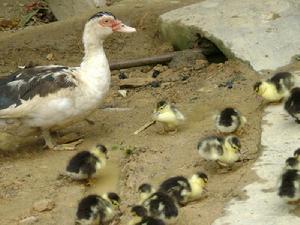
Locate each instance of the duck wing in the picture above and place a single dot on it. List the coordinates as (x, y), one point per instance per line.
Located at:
(25, 84)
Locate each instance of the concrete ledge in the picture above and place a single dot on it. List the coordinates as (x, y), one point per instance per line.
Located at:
(263, 33)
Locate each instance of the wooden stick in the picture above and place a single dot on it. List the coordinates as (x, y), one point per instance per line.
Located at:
(142, 62)
(145, 127)
(158, 59)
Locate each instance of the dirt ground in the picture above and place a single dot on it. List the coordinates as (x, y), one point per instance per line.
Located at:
(30, 173)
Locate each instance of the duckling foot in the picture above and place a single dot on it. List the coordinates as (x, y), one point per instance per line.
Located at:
(223, 170)
(90, 182)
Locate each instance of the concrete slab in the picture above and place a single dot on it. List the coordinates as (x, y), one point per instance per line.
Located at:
(262, 33)
(280, 138)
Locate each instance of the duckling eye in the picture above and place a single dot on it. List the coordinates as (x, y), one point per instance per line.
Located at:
(161, 107)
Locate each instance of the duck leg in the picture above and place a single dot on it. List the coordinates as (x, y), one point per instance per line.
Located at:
(51, 144)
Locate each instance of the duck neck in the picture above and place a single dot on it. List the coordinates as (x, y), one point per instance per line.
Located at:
(94, 62)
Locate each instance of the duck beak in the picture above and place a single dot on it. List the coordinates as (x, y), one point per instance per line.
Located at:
(121, 27)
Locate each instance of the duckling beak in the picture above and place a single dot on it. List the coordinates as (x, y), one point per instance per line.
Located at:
(121, 27)
(155, 114)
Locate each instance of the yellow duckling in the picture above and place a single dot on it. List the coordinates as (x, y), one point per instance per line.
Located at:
(229, 120)
(168, 115)
(276, 88)
(289, 188)
(224, 151)
(158, 204)
(97, 210)
(184, 190)
(87, 164)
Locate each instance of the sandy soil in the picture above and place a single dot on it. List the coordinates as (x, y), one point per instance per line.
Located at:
(30, 173)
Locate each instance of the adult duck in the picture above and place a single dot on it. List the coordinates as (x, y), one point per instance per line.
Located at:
(47, 98)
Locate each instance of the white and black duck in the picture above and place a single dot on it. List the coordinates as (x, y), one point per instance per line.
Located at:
(46, 98)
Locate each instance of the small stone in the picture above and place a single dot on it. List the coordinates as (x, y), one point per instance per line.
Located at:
(122, 75)
(43, 205)
(50, 57)
(155, 84)
(155, 73)
(160, 68)
(184, 77)
(123, 93)
(28, 220)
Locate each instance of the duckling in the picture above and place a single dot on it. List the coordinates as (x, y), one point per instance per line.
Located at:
(87, 164)
(292, 105)
(184, 190)
(145, 191)
(276, 88)
(229, 120)
(162, 206)
(97, 210)
(292, 163)
(140, 217)
(224, 151)
(168, 115)
(289, 188)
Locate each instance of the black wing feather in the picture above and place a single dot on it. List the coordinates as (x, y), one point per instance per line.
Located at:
(33, 81)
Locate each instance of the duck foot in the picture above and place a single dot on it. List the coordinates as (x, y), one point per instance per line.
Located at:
(68, 138)
(51, 144)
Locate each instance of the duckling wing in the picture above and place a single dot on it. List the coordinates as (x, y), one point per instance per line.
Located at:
(174, 187)
(178, 114)
(283, 80)
(162, 205)
(211, 148)
(290, 182)
(89, 165)
(23, 85)
(292, 105)
(77, 161)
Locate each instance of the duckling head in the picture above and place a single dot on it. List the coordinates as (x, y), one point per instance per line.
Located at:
(137, 214)
(257, 87)
(100, 151)
(233, 143)
(162, 107)
(297, 153)
(145, 191)
(291, 163)
(198, 182)
(113, 198)
(138, 211)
